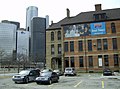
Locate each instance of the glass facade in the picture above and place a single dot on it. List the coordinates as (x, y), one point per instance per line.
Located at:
(31, 12)
(38, 39)
(23, 42)
(8, 38)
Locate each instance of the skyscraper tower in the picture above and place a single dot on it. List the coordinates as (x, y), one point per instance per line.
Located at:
(31, 12)
(38, 39)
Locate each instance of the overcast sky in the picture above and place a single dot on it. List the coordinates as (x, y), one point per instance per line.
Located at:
(15, 10)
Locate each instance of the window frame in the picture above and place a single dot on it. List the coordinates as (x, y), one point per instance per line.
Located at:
(89, 45)
(59, 35)
(52, 36)
(80, 45)
(71, 46)
(81, 61)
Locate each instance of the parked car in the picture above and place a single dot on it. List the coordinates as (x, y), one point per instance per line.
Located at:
(26, 76)
(107, 72)
(46, 70)
(58, 72)
(47, 77)
(70, 71)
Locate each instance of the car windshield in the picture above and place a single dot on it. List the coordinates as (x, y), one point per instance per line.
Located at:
(56, 70)
(24, 72)
(68, 69)
(46, 70)
(46, 74)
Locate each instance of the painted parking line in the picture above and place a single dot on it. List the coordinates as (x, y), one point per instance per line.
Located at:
(78, 84)
(102, 84)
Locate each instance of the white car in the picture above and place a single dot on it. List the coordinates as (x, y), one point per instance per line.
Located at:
(70, 71)
(58, 72)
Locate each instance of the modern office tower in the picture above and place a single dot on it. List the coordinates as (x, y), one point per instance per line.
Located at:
(23, 43)
(12, 22)
(8, 39)
(18, 26)
(31, 12)
(47, 21)
(38, 38)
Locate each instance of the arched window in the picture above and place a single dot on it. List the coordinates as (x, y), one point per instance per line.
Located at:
(113, 28)
(59, 35)
(52, 36)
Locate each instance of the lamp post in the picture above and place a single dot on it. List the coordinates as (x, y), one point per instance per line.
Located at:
(85, 54)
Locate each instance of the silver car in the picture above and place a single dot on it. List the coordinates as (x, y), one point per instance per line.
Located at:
(70, 71)
(26, 76)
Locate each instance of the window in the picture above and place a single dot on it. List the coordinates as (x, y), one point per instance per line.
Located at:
(52, 36)
(52, 49)
(106, 62)
(103, 16)
(100, 16)
(99, 46)
(96, 17)
(66, 61)
(113, 28)
(105, 44)
(81, 64)
(90, 58)
(72, 61)
(66, 46)
(114, 42)
(116, 60)
(71, 46)
(80, 45)
(59, 35)
(89, 45)
(59, 49)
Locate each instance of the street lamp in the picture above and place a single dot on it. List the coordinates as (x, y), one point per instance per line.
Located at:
(85, 54)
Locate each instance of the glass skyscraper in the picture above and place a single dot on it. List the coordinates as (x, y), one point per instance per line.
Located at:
(23, 42)
(31, 12)
(38, 37)
(8, 38)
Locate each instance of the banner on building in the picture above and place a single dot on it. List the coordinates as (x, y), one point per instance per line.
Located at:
(98, 28)
(76, 30)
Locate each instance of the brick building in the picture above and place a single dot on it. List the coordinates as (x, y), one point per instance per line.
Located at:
(89, 41)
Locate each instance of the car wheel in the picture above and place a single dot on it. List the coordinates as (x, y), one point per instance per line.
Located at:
(50, 81)
(15, 82)
(26, 80)
(38, 82)
(57, 80)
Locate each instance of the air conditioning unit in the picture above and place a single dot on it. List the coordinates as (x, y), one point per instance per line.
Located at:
(94, 44)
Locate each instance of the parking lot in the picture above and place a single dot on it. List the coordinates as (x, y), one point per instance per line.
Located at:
(82, 81)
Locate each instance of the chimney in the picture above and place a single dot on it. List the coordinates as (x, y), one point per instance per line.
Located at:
(51, 22)
(98, 7)
(68, 13)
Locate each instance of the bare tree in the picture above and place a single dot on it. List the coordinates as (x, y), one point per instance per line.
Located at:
(21, 60)
(2, 54)
(8, 61)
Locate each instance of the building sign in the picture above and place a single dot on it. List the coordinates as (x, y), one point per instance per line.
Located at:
(98, 28)
(76, 30)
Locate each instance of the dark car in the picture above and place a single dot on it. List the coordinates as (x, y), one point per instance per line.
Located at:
(107, 72)
(47, 77)
(26, 76)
